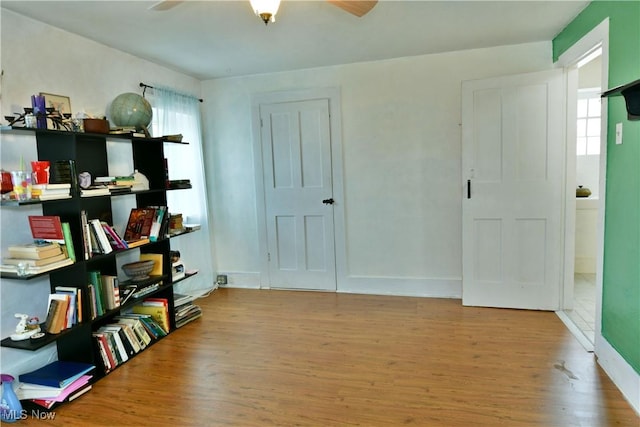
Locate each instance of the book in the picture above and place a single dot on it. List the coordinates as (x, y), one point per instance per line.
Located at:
(36, 250)
(110, 291)
(50, 191)
(96, 282)
(52, 187)
(136, 243)
(64, 394)
(156, 226)
(121, 350)
(68, 241)
(37, 269)
(101, 236)
(131, 336)
(92, 192)
(115, 240)
(77, 292)
(64, 172)
(158, 309)
(124, 339)
(51, 315)
(46, 197)
(157, 259)
(108, 358)
(59, 321)
(67, 396)
(139, 224)
(109, 345)
(57, 374)
(35, 262)
(143, 336)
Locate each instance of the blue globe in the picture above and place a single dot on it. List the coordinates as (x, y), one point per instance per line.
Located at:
(131, 109)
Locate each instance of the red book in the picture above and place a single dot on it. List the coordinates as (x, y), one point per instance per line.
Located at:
(47, 227)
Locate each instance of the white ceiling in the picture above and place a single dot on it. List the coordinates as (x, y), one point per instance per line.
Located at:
(211, 39)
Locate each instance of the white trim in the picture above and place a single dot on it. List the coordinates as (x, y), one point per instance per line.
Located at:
(249, 280)
(577, 333)
(620, 372)
(335, 118)
(599, 35)
(398, 286)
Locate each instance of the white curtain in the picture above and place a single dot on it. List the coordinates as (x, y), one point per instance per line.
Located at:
(175, 113)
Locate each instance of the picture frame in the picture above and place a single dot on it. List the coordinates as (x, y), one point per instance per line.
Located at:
(60, 102)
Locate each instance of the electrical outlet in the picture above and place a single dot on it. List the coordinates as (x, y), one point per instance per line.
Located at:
(221, 279)
(618, 133)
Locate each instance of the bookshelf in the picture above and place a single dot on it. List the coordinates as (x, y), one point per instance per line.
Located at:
(89, 152)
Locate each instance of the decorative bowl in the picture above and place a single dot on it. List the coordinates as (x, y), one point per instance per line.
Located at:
(138, 270)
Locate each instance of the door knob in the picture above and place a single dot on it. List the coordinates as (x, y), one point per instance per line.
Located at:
(328, 201)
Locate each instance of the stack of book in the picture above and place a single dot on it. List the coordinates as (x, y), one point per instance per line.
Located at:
(185, 310)
(35, 258)
(51, 191)
(175, 224)
(64, 310)
(128, 335)
(55, 383)
(115, 184)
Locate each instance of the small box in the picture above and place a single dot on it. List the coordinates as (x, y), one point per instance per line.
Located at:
(96, 125)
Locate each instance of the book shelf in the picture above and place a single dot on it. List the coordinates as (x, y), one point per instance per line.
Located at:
(89, 152)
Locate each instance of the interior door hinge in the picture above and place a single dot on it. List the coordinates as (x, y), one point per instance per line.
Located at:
(261, 124)
(268, 257)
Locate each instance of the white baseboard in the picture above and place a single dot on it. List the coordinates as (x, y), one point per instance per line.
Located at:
(433, 288)
(620, 372)
(249, 280)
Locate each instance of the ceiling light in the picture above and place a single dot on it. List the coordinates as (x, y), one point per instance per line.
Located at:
(265, 9)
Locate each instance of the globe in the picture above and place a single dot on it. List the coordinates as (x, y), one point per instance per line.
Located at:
(131, 109)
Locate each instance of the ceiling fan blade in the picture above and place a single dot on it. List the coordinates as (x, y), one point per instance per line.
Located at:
(356, 7)
(164, 5)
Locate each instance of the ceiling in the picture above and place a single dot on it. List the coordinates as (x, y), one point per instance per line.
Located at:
(213, 39)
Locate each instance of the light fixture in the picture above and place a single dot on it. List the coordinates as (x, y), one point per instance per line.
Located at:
(266, 9)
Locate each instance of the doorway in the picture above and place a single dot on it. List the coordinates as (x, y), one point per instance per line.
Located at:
(587, 172)
(298, 187)
(586, 67)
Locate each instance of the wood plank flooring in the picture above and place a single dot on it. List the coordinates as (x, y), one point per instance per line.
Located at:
(282, 358)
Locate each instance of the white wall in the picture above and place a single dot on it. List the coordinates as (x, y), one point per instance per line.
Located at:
(39, 58)
(401, 150)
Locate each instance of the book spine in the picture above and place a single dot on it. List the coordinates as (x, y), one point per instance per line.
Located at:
(53, 306)
(101, 236)
(96, 281)
(86, 238)
(68, 241)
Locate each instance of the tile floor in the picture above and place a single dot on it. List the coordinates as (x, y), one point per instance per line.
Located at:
(584, 304)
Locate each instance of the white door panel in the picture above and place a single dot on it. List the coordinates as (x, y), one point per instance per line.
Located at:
(296, 145)
(513, 157)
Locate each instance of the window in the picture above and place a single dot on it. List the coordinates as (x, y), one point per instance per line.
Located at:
(588, 141)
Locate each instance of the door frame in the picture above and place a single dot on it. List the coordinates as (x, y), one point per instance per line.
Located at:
(568, 60)
(332, 94)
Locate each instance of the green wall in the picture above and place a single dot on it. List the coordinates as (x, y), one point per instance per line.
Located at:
(621, 275)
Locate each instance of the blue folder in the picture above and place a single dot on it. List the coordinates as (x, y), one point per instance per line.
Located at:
(57, 374)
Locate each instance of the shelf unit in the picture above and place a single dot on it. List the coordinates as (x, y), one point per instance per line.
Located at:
(89, 151)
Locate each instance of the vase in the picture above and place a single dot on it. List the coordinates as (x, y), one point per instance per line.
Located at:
(10, 406)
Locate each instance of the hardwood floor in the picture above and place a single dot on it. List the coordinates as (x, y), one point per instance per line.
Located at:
(281, 358)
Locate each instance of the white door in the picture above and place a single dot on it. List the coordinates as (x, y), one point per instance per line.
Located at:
(296, 153)
(513, 148)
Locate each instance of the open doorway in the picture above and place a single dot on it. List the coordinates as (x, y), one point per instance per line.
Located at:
(586, 67)
(587, 173)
